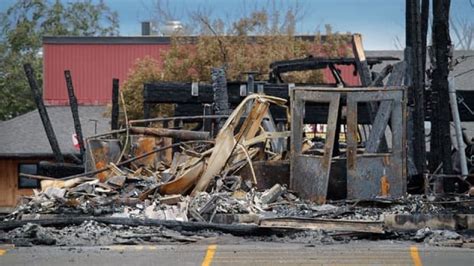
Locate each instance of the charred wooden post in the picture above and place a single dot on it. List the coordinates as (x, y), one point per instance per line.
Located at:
(440, 119)
(361, 61)
(53, 141)
(114, 123)
(207, 122)
(416, 90)
(221, 98)
(362, 67)
(75, 112)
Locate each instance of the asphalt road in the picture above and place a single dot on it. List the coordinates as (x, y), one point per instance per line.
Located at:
(251, 253)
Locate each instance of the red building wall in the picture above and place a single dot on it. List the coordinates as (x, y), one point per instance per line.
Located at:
(95, 61)
(92, 66)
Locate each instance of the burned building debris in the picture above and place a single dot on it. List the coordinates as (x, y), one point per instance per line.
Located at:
(247, 159)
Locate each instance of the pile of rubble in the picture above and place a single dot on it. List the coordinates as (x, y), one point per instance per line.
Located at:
(201, 185)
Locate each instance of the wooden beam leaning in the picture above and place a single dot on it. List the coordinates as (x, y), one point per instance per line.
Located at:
(383, 114)
(48, 127)
(75, 112)
(365, 78)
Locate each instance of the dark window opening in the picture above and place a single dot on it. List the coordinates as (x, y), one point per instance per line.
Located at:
(25, 182)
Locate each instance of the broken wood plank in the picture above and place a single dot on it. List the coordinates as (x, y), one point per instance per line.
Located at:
(171, 133)
(413, 222)
(377, 134)
(272, 194)
(234, 229)
(375, 227)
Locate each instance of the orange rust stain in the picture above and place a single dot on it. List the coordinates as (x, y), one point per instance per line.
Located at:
(146, 145)
(384, 186)
(102, 175)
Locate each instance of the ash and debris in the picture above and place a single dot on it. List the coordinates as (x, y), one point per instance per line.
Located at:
(205, 205)
(94, 233)
(201, 183)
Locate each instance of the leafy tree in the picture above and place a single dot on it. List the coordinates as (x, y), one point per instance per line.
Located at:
(22, 27)
(233, 45)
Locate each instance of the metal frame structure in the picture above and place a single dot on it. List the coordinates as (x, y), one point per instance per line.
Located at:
(369, 174)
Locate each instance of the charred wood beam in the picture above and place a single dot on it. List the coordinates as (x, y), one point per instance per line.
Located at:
(220, 96)
(440, 120)
(366, 81)
(58, 170)
(171, 133)
(235, 229)
(378, 80)
(321, 62)
(114, 123)
(416, 90)
(75, 112)
(361, 61)
(383, 114)
(180, 94)
(48, 127)
(337, 76)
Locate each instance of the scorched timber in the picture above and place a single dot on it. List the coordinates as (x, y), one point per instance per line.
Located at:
(171, 133)
(180, 93)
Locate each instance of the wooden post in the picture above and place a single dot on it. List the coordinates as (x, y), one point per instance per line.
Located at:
(440, 118)
(53, 141)
(221, 98)
(415, 82)
(75, 112)
(115, 105)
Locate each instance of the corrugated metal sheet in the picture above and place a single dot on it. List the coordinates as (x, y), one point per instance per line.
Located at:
(92, 66)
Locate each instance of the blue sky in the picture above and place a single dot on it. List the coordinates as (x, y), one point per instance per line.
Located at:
(379, 21)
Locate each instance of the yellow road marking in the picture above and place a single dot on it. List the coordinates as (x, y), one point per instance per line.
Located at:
(2, 252)
(211, 250)
(415, 256)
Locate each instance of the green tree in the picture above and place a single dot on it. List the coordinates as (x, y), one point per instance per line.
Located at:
(22, 27)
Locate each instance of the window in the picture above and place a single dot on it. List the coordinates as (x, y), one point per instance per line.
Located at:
(25, 182)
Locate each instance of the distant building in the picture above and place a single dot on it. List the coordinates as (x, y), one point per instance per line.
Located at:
(23, 143)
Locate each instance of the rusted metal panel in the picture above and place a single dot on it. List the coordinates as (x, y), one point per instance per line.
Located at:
(377, 174)
(368, 174)
(268, 173)
(310, 173)
(100, 153)
(142, 145)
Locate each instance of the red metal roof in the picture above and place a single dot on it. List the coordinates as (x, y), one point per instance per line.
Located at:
(94, 62)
